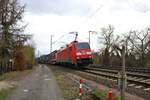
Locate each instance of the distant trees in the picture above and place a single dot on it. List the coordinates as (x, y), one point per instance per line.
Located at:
(137, 47)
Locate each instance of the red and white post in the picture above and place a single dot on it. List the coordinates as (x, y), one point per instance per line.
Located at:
(110, 95)
(80, 87)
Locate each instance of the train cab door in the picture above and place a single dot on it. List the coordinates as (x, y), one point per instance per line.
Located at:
(72, 54)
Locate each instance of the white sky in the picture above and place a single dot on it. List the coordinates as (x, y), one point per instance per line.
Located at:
(59, 17)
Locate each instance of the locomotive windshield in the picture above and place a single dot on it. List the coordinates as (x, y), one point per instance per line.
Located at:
(82, 46)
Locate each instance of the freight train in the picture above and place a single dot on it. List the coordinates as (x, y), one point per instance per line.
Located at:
(76, 53)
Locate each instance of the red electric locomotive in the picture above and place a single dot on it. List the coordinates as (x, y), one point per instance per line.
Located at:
(76, 53)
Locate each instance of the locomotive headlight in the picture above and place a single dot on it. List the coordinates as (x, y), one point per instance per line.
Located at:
(78, 53)
(89, 53)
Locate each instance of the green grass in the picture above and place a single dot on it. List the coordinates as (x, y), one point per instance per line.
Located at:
(102, 95)
(4, 93)
(14, 75)
(97, 95)
(69, 89)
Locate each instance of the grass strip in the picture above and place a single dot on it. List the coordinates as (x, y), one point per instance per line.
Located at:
(5, 92)
(102, 95)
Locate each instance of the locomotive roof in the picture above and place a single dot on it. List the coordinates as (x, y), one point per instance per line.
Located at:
(76, 42)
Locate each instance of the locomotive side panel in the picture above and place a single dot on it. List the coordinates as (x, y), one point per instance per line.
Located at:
(75, 53)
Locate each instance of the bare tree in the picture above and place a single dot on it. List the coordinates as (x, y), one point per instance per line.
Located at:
(109, 40)
(107, 34)
(141, 42)
(118, 48)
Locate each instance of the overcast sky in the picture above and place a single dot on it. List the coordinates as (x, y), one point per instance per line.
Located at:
(59, 17)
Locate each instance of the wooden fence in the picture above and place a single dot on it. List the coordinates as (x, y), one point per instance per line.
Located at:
(6, 66)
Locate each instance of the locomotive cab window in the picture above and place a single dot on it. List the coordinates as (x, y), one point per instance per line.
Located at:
(81, 46)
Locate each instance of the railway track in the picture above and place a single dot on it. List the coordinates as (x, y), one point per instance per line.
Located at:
(128, 69)
(133, 79)
(136, 83)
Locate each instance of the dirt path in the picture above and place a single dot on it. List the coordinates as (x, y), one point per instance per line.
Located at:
(40, 85)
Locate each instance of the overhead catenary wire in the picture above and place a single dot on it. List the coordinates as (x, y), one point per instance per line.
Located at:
(94, 13)
(85, 21)
(132, 4)
(58, 39)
